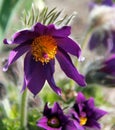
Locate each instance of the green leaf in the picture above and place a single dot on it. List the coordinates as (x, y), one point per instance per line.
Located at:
(6, 11)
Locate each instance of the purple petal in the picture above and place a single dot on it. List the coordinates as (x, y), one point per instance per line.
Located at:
(47, 110)
(90, 103)
(91, 5)
(21, 37)
(80, 98)
(107, 2)
(93, 124)
(99, 113)
(40, 29)
(110, 60)
(69, 69)
(77, 126)
(29, 66)
(97, 39)
(43, 124)
(73, 113)
(69, 45)
(34, 74)
(49, 69)
(53, 85)
(79, 105)
(59, 32)
(113, 41)
(71, 126)
(51, 30)
(56, 108)
(109, 66)
(15, 54)
(94, 41)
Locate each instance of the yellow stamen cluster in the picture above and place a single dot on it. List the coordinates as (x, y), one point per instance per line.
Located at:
(44, 48)
(83, 121)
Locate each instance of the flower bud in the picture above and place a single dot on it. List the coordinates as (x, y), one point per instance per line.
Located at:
(102, 16)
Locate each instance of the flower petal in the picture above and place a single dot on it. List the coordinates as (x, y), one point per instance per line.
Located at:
(98, 113)
(90, 103)
(34, 74)
(43, 124)
(113, 41)
(74, 125)
(15, 54)
(80, 98)
(59, 32)
(71, 126)
(49, 69)
(69, 69)
(94, 41)
(40, 29)
(21, 37)
(47, 110)
(93, 124)
(107, 2)
(109, 66)
(69, 45)
(56, 108)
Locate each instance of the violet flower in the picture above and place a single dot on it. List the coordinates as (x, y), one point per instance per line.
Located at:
(102, 19)
(105, 38)
(108, 66)
(102, 72)
(107, 72)
(42, 44)
(54, 119)
(86, 113)
(107, 2)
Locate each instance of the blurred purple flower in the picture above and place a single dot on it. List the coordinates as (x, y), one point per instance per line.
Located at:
(42, 44)
(55, 119)
(107, 39)
(102, 72)
(102, 19)
(108, 66)
(107, 2)
(86, 113)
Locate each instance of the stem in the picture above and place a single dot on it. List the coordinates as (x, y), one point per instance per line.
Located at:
(23, 113)
(7, 107)
(84, 45)
(85, 40)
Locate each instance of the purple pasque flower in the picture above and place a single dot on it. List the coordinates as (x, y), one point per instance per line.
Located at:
(42, 44)
(107, 2)
(102, 19)
(108, 66)
(105, 38)
(55, 119)
(86, 113)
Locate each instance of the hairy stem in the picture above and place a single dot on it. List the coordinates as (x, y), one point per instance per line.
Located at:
(23, 112)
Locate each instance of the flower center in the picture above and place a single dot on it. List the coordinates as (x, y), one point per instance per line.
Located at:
(53, 122)
(44, 48)
(83, 121)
